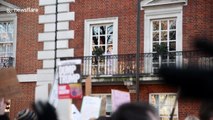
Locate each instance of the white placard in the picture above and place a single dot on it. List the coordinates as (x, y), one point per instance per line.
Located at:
(66, 71)
(53, 98)
(76, 115)
(119, 98)
(90, 107)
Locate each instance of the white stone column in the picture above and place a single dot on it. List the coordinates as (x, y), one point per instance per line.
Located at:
(45, 75)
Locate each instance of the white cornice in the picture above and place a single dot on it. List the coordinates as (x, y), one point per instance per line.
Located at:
(152, 3)
(9, 5)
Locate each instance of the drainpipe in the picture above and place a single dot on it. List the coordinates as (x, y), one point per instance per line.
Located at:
(56, 27)
(138, 52)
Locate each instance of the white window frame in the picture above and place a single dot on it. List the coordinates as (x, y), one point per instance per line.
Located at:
(87, 32)
(11, 17)
(165, 94)
(162, 12)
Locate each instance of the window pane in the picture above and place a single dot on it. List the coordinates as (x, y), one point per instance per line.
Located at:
(164, 25)
(102, 40)
(95, 30)
(103, 48)
(155, 36)
(172, 24)
(164, 44)
(110, 29)
(172, 35)
(172, 46)
(164, 36)
(154, 46)
(2, 48)
(10, 37)
(155, 25)
(109, 39)
(95, 40)
(165, 104)
(102, 30)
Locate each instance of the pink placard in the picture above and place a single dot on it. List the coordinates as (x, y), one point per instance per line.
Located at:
(119, 98)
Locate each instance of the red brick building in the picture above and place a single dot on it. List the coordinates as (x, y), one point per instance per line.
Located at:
(86, 27)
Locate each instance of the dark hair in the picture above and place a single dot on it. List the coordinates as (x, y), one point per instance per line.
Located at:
(134, 111)
(206, 110)
(26, 114)
(104, 118)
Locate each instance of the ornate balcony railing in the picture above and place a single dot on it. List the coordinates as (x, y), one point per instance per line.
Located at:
(6, 62)
(125, 64)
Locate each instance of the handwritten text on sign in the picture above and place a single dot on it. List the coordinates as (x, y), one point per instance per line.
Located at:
(66, 72)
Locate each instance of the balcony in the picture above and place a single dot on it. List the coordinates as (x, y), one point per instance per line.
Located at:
(124, 65)
(6, 62)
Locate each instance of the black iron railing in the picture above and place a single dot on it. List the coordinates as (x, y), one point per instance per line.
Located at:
(6, 62)
(125, 64)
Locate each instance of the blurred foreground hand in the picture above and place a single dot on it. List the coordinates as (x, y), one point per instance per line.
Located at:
(45, 111)
(194, 82)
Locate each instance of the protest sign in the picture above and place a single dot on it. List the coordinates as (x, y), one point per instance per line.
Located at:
(70, 91)
(66, 71)
(119, 98)
(9, 85)
(76, 115)
(53, 99)
(90, 107)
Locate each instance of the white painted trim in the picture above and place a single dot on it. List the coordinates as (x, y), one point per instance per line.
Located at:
(43, 55)
(65, 53)
(152, 3)
(65, 1)
(9, 4)
(160, 13)
(67, 16)
(48, 63)
(65, 34)
(12, 17)
(47, 2)
(27, 77)
(87, 31)
(49, 18)
(165, 94)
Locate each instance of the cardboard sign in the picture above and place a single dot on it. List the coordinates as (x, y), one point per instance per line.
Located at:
(9, 85)
(88, 86)
(70, 91)
(90, 107)
(119, 98)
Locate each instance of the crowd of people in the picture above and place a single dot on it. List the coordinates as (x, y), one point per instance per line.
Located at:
(128, 111)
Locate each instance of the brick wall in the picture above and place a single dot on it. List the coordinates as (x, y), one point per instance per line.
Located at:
(26, 52)
(27, 37)
(185, 106)
(125, 10)
(24, 101)
(197, 22)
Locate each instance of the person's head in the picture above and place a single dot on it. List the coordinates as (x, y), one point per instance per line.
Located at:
(191, 117)
(104, 118)
(206, 111)
(110, 48)
(135, 111)
(26, 114)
